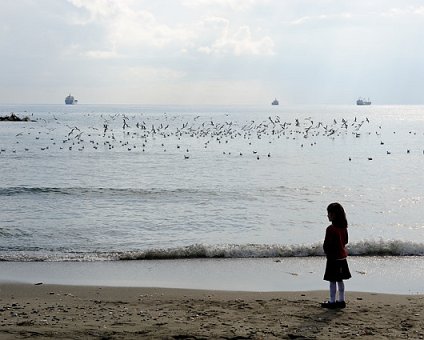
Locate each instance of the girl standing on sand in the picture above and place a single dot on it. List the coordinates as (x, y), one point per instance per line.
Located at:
(337, 269)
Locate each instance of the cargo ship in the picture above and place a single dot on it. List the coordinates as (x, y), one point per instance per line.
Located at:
(70, 100)
(362, 101)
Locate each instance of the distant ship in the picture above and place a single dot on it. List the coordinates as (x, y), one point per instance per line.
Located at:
(70, 100)
(275, 102)
(362, 101)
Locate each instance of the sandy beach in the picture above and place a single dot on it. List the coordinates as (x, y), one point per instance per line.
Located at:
(88, 312)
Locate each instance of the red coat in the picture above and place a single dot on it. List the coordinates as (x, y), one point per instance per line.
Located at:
(335, 242)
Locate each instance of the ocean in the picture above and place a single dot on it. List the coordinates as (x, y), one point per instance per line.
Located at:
(90, 183)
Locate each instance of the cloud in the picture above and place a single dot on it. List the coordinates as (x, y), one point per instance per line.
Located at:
(95, 9)
(406, 11)
(319, 18)
(131, 27)
(352, 14)
(222, 39)
(97, 54)
(232, 4)
(130, 30)
(126, 26)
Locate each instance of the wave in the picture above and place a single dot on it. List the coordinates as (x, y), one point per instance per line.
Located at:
(363, 248)
(77, 191)
(202, 251)
(12, 233)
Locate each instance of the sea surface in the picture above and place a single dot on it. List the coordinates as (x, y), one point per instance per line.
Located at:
(126, 182)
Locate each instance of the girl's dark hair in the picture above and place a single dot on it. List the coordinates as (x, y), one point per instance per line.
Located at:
(339, 215)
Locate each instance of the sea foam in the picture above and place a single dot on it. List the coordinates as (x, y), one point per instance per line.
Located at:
(198, 251)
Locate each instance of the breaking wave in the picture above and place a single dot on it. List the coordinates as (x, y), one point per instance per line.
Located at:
(201, 251)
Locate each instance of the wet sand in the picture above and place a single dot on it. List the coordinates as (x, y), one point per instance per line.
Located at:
(89, 312)
(369, 274)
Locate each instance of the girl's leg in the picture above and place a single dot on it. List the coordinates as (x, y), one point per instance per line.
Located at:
(341, 288)
(332, 291)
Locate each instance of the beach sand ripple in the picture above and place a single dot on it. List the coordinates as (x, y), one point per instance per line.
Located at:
(77, 312)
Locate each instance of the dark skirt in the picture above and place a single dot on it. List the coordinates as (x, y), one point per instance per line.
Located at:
(337, 270)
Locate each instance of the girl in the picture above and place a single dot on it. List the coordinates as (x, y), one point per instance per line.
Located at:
(336, 269)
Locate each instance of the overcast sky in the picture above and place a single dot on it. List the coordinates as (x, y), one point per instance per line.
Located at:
(212, 51)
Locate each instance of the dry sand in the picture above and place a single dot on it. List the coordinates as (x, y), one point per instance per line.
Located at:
(86, 312)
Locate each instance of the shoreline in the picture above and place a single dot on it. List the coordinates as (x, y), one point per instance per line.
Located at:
(392, 275)
(93, 312)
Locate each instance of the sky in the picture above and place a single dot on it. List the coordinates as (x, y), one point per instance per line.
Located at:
(212, 51)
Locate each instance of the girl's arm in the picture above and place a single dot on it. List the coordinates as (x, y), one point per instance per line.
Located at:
(327, 243)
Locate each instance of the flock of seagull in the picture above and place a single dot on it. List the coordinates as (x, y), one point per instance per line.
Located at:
(139, 133)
